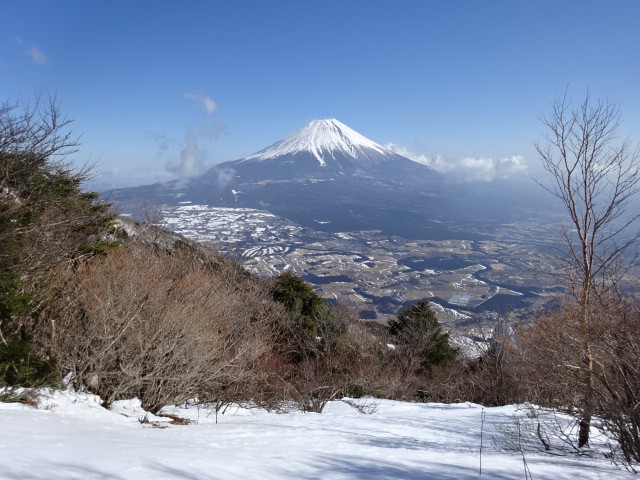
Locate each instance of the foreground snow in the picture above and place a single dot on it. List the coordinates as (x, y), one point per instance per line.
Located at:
(71, 437)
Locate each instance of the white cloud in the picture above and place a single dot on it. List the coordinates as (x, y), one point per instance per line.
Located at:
(37, 56)
(192, 158)
(108, 172)
(207, 103)
(189, 157)
(515, 165)
(223, 176)
(405, 152)
(467, 169)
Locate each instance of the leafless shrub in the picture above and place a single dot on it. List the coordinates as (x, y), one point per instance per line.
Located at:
(617, 376)
(538, 430)
(313, 384)
(490, 380)
(343, 359)
(550, 363)
(516, 440)
(156, 325)
(366, 406)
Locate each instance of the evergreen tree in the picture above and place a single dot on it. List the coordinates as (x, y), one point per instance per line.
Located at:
(419, 338)
(297, 296)
(315, 329)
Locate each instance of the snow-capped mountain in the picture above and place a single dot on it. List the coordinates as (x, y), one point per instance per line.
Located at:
(326, 140)
(322, 149)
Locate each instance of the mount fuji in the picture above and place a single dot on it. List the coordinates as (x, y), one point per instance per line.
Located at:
(321, 150)
(328, 176)
(327, 146)
(325, 139)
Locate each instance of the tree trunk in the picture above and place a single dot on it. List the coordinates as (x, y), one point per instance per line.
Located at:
(587, 406)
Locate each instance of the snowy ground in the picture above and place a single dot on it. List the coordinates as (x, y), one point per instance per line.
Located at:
(71, 437)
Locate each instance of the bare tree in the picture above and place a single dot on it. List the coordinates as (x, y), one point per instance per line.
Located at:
(594, 175)
(31, 136)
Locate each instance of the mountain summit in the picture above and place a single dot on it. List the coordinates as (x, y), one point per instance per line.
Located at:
(325, 139)
(322, 149)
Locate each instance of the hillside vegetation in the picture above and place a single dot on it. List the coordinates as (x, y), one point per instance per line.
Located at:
(124, 309)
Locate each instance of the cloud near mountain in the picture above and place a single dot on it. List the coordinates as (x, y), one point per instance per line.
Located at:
(467, 169)
(207, 103)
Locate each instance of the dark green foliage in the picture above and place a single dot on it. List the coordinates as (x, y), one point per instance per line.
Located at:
(315, 328)
(354, 390)
(13, 301)
(305, 306)
(418, 335)
(56, 223)
(19, 366)
(296, 295)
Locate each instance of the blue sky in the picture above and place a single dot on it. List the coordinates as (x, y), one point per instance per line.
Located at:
(150, 83)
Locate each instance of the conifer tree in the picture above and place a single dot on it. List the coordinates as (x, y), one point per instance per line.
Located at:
(419, 338)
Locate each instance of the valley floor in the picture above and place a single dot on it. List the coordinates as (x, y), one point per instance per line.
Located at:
(71, 437)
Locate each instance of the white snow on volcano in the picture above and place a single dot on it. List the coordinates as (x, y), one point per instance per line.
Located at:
(323, 138)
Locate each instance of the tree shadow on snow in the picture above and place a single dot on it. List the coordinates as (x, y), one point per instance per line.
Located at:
(367, 468)
(54, 470)
(62, 471)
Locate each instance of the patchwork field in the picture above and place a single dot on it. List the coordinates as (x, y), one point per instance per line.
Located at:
(472, 283)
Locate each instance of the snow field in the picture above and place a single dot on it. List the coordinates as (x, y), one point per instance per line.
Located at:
(71, 437)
